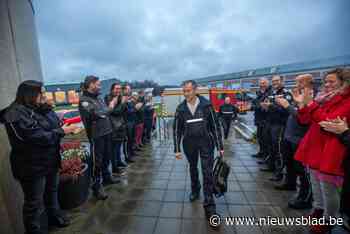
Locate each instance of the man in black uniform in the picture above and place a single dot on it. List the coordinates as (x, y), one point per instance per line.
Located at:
(197, 125)
(227, 112)
(293, 134)
(260, 118)
(276, 120)
(95, 117)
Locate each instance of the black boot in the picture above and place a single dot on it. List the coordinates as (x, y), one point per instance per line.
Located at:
(129, 160)
(111, 180)
(58, 220)
(100, 194)
(213, 218)
(266, 169)
(276, 177)
(302, 201)
(194, 196)
(286, 187)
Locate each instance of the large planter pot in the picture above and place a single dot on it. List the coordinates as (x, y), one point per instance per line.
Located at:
(74, 192)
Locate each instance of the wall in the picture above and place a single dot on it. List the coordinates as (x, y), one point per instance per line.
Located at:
(19, 61)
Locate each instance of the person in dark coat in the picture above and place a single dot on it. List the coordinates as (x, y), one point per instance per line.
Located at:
(276, 119)
(131, 124)
(293, 134)
(95, 116)
(260, 119)
(197, 126)
(149, 117)
(118, 119)
(35, 132)
(227, 112)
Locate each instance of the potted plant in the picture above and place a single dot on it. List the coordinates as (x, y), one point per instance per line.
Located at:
(74, 176)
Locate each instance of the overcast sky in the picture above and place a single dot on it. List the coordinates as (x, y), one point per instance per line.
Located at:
(169, 41)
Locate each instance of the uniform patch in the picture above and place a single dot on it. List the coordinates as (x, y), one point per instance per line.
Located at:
(289, 98)
(85, 104)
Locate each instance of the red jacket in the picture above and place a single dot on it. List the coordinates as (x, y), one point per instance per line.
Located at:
(319, 149)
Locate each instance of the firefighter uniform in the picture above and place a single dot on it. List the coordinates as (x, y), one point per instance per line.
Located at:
(260, 121)
(200, 134)
(276, 119)
(95, 117)
(227, 112)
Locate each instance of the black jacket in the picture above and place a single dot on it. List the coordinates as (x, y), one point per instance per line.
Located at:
(34, 138)
(228, 111)
(260, 115)
(118, 119)
(202, 127)
(140, 113)
(95, 116)
(277, 115)
(148, 111)
(132, 113)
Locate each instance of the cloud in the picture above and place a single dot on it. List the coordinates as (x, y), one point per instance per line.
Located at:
(169, 41)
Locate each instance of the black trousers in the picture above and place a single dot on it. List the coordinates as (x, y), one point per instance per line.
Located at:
(102, 155)
(263, 138)
(148, 128)
(131, 140)
(195, 149)
(226, 124)
(293, 167)
(39, 193)
(275, 136)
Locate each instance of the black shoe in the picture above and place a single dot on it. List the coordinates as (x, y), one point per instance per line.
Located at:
(100, 194)
(256, 155)
(213, 218)
(286, 187)
(276, 178)
(261, 162)
(299, 204)
(194, 196)
(302, 201)
(266, 169)
(118, 172)
(122, 165)
(58, 221)
(137, 149)
(129, 160)
(346, 224)
(111, 180)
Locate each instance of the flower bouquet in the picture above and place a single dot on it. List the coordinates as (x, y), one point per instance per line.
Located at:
(74, 176)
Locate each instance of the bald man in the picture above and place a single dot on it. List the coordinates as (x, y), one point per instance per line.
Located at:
(260, 117)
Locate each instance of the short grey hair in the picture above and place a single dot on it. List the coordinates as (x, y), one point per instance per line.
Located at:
(193, 82)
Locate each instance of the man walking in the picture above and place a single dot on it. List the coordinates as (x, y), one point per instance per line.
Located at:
(196, 124)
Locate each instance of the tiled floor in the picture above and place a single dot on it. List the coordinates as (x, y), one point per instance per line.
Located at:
(153, 197)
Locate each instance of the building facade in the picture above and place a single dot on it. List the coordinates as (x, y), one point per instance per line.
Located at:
(249, 79)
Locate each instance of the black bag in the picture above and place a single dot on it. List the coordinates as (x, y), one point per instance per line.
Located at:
(221, 172)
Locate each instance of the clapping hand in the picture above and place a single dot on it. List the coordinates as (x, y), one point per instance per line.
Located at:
(336, 126)
(282, 102)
